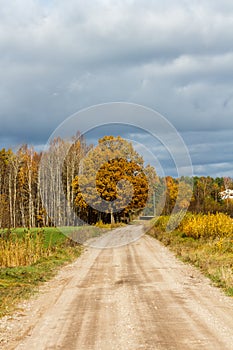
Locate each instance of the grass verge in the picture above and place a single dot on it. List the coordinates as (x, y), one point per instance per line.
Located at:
(19, 282)
(214, 257)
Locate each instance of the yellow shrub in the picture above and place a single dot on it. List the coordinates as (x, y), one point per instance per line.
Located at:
(207, 226)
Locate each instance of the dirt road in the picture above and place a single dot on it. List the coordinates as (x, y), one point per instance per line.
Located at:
(137, 296)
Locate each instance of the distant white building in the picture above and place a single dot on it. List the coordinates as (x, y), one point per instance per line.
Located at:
(227, 194)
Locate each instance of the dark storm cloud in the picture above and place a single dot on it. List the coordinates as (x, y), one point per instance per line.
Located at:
(174, 56)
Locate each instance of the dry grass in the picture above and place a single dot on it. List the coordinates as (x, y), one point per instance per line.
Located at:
(212, 253)
(22, 250)
(29, 258)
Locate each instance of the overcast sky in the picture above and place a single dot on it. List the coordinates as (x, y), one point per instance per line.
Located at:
(175, 56)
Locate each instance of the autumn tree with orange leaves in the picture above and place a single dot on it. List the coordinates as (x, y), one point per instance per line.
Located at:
(113, 185)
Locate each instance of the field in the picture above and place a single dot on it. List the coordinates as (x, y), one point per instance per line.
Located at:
(206, 241)
(29, 257)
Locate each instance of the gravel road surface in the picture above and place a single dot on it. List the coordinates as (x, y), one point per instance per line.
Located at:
(135, 296)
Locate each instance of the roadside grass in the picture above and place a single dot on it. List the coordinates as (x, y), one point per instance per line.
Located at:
(52, 235)
(19, 282)
(213, 256)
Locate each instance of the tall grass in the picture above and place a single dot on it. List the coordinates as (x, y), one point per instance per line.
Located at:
(22, 250)
(206, 241)
(28, 258)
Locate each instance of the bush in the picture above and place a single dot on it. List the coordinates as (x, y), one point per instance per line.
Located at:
(207, 226)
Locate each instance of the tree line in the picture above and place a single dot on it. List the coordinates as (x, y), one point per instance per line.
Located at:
(43, 188)
(29, 178)
(206, 194)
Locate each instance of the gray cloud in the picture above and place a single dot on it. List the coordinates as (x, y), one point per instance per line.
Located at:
(174, 56)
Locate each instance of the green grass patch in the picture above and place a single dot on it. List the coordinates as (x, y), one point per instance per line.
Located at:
(52, 235)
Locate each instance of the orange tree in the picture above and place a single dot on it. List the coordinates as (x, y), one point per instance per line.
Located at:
(112, 184)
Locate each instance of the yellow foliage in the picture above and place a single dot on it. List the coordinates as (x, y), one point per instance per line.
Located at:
(207, 226)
